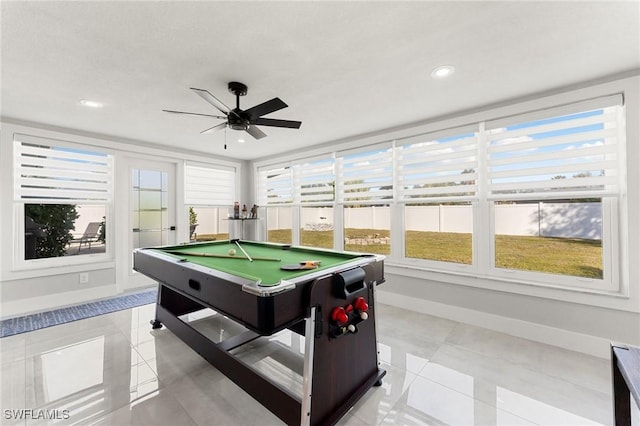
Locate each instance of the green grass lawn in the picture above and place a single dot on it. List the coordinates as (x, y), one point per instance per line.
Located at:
(324, 239)
(321, 239)
(564, 256)
(442, 246)
(282, 236)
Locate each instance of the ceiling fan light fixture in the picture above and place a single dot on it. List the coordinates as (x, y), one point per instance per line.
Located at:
(442, 71)
(239, 126)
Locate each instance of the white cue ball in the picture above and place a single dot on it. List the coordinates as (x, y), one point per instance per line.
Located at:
(232, 252)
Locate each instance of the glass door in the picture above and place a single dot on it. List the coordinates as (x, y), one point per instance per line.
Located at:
(152, 218)
(150, 208)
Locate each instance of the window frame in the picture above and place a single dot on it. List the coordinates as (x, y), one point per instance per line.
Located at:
(342, 212)
(440, 265)
(19, 263)
(609, 243)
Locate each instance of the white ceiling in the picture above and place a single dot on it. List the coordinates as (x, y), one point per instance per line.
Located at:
(344, 68)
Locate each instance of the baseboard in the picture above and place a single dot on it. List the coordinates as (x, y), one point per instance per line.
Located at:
(590, 345)
(49, 302)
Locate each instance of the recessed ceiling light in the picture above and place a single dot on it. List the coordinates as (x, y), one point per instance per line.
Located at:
(241, 140)
(442, 71)
(91, 104)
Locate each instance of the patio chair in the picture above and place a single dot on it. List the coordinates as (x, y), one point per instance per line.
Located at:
(89, 236)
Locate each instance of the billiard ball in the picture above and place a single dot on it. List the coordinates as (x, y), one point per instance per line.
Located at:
(232, 252)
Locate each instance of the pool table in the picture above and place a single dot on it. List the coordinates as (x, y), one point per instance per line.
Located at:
(332, 304)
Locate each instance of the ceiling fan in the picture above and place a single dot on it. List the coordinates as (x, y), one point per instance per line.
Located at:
(239, 119)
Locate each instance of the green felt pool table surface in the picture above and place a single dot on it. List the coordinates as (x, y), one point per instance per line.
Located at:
(267, 272)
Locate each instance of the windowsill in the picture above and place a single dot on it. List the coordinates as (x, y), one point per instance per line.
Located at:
(90, 263)
(592, 297)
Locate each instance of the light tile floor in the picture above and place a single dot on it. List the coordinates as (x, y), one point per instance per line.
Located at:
(113, 369)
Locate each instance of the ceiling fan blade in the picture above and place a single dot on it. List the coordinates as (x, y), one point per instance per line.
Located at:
(265, 108)
(255, 132)
(277, 123)
(204, 94)
(214, 128)
(195, 113)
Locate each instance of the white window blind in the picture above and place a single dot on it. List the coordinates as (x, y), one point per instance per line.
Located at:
(365, 176)
(314, 182)
(208, 186)
(46, 173)
(275, 186)
(436, 169)
(557, 156)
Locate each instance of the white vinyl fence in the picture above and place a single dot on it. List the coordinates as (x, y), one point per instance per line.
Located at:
(211, 220)
(567, 220)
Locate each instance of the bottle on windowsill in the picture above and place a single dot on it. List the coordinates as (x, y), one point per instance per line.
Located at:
(236, 210)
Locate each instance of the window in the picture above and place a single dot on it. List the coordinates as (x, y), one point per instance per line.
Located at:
(552, 178)
(276, 196)
(441, 232)
(63, 194)
(279, 224)
(316, 226)
(365, 188)
(209, 191)
(553, 237)
(367, 229)
(300, 193)
(532, 197)
(208, 223)
(438, 175)
(365, 177)
(314, 183)
(276, 186)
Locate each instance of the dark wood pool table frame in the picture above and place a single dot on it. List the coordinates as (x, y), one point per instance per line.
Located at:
(338, 368)
(625, 374)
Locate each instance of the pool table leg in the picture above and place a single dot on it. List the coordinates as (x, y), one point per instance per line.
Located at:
(174, 302)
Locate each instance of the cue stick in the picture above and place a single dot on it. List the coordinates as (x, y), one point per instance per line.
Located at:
(245, 253)
(226, 256)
